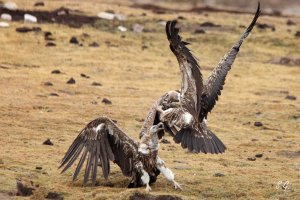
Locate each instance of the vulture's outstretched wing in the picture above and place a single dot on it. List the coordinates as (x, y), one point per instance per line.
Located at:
(98, 143)
(214, 84)
(192, 83)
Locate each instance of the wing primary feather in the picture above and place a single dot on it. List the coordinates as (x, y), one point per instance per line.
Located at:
(72, 160)
(79, 166)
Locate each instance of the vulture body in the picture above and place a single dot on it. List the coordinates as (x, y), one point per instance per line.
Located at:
(184, 112)
(102, 141)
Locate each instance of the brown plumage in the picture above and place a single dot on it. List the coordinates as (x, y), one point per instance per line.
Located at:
(184, 112)
(102, 141)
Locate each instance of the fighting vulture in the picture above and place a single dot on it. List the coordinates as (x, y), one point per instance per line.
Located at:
(184, 112)
(102, 141)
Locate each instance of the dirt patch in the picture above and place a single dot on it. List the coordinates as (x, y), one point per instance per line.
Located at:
(139, 196)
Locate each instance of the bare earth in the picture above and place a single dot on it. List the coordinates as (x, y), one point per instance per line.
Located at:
(132, 77)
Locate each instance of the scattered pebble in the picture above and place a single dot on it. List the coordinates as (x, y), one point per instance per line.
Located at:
(199, 31)
(265, 26)
(259, 155)
(48, 83)
(137, 28)
(71, 81)
(120, 17)
(96, 84)
(258, 124)
(56, 71)
(84, 75)
(209, 24)
(165, 141)
(181, 17)
(251, 159)
(53, 94)
(4, 25)
(24, 189)
(74, 40)
(106, 101)
(48, 36)
(122, 28)
(30, 18)
(297, 34)
(54, 196)
(39, 3)
(290, 22)
(50, 44)
(291, 97)
(6, 17)
(9, 5)
(254, 140)
(219, 174)
(94, 44)
(162, 23)
(48, 142)
(38, 168)
(106, 15)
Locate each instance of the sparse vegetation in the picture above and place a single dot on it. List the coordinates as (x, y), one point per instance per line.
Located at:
(133, 77)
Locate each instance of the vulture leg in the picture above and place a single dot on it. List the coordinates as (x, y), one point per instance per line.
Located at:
(160, 164)
(145, 176)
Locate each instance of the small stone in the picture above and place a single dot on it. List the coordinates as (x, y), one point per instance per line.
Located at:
(165, 141)
(71, 81)
(297, 34)
(209, 24)
(144, 47)
(4, 25)
(84, 76)
(24, 189)
(30, 18)
(258, 124)
(50, 44)
(137, 28)
(36, 29)
(199, 31)
(259, 155)
(56, 71)
(48, 142)
(106, 101)
(48, 36)
(9, 5)
(181, 17)
(290, 22)
(291, 97)
(6, 17)
(74, 40)
(251, 159)
(53, 94)
(122, 28)
(219, 174)
(254, 140)
(94, 44)
(106, 15)
(38, 167)
(48, 83)
(39, 3)
(23, 29)
(96, 84)
(54, 196)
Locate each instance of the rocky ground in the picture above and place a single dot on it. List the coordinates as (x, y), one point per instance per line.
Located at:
(73, 66)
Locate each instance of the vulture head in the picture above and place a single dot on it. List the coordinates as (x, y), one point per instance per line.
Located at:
(149, 141)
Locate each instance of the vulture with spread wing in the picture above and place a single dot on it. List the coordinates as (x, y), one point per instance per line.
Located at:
(184, 112)
(102, 141)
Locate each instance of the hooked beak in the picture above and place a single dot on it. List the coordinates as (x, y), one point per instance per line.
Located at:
(160, 126)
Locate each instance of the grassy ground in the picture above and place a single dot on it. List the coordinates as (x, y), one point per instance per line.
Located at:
(132, 79)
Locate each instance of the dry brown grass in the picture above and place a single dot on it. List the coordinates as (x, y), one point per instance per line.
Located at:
(132, 79)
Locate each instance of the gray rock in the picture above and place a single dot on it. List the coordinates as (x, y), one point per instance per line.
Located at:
(6, 17)
(218, 174)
